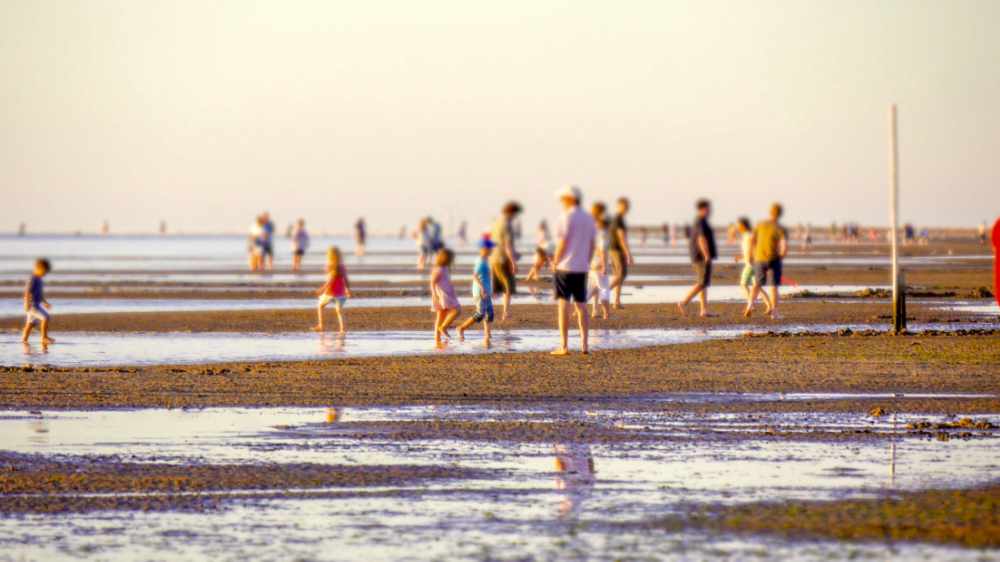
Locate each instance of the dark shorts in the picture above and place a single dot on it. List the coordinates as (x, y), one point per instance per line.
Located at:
(760, 272)
(484, 310)
(504, 280)
(619, 265)
(571, 286)
(268, 249)
(300, 253)
(702, 273)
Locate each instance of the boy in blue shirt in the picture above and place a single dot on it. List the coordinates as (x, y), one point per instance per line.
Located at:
(482, 292)
(35, 305)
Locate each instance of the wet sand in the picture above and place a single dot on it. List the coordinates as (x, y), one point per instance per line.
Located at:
(879, 363)
(969, 518)
(523, 316)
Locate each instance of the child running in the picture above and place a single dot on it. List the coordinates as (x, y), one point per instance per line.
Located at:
(443, 298)
(482, 292)
(747, 276)
(542, 260)
(35, 306)
(337, 289)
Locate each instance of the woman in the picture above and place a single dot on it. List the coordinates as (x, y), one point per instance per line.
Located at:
(503, 260)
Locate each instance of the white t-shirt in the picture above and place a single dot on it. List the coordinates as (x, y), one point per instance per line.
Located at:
(576, 228)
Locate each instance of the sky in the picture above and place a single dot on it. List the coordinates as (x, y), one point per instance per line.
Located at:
(203, 114)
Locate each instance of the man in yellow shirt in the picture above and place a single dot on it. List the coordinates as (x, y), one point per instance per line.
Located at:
(768, 246)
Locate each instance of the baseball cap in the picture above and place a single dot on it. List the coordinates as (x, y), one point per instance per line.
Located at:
(570, 191)
(486, 243)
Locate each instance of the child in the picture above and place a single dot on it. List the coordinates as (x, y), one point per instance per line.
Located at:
(443, 298)
(746, 277)
(600, 290)
(541, 262)
(300, 244)
(35, 305)
(336, 289)
(482, 292)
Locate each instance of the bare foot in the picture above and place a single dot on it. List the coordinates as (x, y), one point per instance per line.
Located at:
(317, 328)
(342, 333)
(682, 310)
(48, 341)
(560, 352)
(24, 339)
(461, 334)
(747, 312)
(486, 342)
(705, 314)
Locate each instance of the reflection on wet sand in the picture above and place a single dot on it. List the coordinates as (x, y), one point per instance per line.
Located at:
(575, 477)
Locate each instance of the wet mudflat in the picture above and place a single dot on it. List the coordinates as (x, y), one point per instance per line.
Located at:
(541, 480)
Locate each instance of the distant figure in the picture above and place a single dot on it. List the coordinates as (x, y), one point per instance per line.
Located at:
(36, 308)
(540, 262)
(982, 233)
(575, 238)
(746, 256)
(402, 232)
(643, 235)
(909, 233)
(300, 244)
(673, 234)
(703, 251)
(105, 228)
(163, 228)
(665, 232)
(337, 289)
(769, 247)
(544, 237)
(289, 230)
(443, 297)
(267, 241)
(463, 234)
(687, 232)
(482, 292)
(255, 244)
(598, 286)
(429, 240)
(503, 260)
(620, 250)
(22, 229)
(360, 237)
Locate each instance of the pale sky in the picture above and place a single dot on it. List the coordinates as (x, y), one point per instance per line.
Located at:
(205, 113)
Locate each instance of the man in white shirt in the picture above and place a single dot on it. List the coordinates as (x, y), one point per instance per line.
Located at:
(575, 234)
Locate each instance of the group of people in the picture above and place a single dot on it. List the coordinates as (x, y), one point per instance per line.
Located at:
(260, 243)
(589, 257)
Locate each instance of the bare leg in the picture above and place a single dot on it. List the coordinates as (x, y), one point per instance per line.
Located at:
(438, 320)
(447, 320)
(487, 332)
(703, 302)
(604, 310)
(563, 319)
(319, 319)
(748, 311)
(506, 304)
(774, 300)
(46, 340)
(26, 333)
(340, 318)
(695, 290)
(465, 326)
(583, 322)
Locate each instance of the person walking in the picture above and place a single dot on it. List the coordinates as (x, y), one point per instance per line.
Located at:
(575, 240)
(621, 252)
(703, 252)
(769, 246)
(503, 260)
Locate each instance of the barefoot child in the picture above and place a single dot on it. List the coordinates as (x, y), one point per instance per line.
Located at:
(336, 289)
(541, 262)
(443, 297)
(35, 306)
(482, 293)
(599, 286)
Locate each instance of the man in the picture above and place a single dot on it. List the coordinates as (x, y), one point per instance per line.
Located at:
(621, 253)
(575, 235)
(769, 246)
(503, 260)
(702, 241)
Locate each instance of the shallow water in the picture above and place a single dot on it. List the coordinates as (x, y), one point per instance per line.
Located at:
(530, 509)
(109, 348)
(649, 294)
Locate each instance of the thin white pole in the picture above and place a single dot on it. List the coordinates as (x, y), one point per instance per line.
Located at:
(894, 200)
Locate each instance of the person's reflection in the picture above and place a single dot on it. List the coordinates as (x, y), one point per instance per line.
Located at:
(331, 343)
(574, 476)
(39, 432)
(333, 414)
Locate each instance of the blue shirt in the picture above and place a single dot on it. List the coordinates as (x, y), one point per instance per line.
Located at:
(36, 289)
(481, 270)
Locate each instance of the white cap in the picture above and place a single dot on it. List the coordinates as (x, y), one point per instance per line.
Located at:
(571, 191)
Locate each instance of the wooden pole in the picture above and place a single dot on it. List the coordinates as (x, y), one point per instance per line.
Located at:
(898, 295)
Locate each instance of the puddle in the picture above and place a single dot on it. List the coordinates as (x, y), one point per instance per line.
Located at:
(107, 348)
(555, 500)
